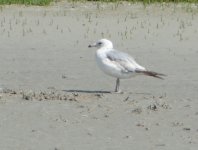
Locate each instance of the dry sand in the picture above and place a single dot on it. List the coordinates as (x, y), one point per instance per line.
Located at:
(53, 96)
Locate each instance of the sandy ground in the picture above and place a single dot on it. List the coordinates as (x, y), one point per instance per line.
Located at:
(53, 96)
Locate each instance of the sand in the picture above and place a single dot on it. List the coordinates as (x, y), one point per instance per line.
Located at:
(54, 97)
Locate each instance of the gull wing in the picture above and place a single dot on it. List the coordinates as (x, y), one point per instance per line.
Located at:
(124, 61)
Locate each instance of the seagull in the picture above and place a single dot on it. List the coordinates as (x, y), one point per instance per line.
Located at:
(118, 64)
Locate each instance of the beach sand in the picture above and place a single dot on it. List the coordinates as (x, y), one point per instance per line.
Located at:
(54, 97)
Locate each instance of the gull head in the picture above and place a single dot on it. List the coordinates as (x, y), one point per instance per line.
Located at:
(102, 43)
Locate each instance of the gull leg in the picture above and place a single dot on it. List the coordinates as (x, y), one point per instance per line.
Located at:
(117, 85)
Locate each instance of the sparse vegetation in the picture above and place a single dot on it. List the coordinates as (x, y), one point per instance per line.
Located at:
(26, 2)
(149, 1)
(47, 2)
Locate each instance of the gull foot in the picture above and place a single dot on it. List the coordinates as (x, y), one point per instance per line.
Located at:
(118, 92)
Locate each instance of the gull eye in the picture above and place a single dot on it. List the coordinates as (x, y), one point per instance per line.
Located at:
(100, 43)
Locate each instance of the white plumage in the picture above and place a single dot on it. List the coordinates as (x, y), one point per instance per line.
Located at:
(118, 64)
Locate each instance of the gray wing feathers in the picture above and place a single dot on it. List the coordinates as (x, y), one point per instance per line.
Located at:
(124, 61)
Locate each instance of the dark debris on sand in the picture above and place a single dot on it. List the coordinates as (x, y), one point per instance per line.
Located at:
(49, 95)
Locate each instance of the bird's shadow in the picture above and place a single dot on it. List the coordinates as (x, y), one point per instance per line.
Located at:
(88, 91)
(103, 92)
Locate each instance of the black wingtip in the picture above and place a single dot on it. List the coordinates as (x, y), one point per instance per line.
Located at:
(154, 74)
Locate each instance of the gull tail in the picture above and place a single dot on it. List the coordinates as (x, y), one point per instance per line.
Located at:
(153, 74)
